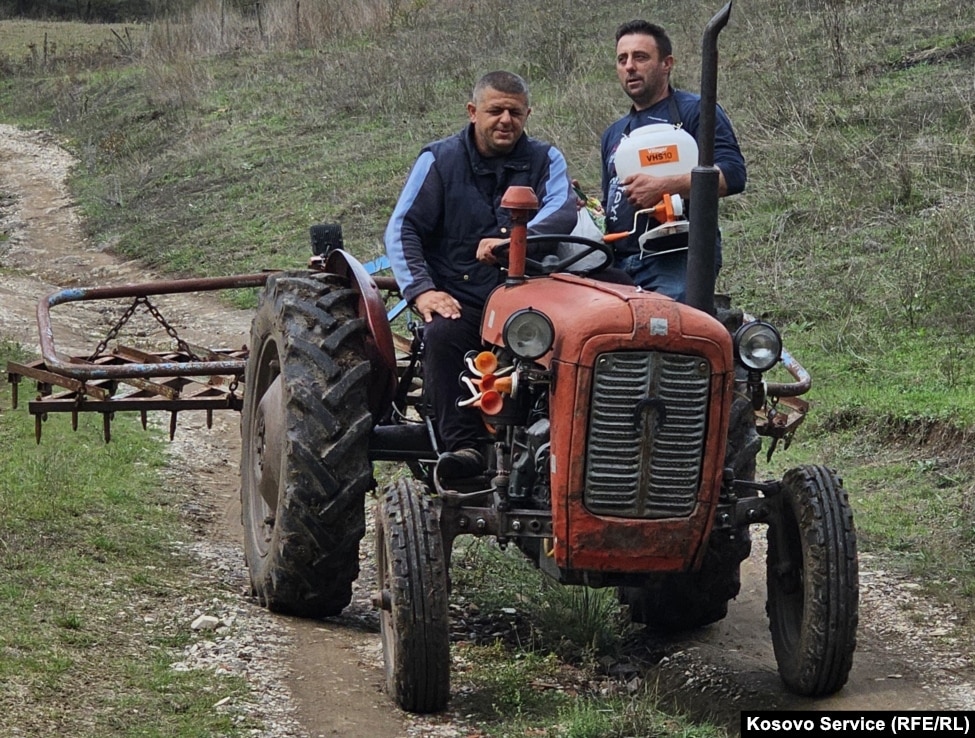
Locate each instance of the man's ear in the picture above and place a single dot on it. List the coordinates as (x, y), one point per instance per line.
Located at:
(471, 111)
(669, 63)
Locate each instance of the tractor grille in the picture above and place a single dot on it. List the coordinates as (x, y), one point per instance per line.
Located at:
(646, 434)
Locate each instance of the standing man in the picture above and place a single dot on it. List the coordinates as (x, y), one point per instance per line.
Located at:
(441, 238)
(644, 61)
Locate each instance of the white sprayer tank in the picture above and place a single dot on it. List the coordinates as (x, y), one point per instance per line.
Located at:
(659, 149)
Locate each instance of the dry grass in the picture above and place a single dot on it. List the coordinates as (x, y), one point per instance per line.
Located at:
(39, 45)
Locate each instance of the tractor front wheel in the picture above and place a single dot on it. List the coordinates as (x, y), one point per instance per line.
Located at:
(813, 582)
(412, 598)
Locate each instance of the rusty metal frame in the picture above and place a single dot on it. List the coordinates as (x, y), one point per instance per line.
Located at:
(84, 371)
(191, 378)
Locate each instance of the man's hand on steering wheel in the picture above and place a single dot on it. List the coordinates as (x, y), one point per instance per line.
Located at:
(485, 250)
(552, 264)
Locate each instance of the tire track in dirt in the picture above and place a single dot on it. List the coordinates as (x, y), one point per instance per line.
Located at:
(333, 668)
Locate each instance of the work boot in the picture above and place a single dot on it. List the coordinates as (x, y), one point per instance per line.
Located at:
(460, 464)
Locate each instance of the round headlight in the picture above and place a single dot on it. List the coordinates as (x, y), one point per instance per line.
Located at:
(758, 345)
(528, 334)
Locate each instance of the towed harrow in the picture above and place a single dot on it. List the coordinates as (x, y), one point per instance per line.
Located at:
(127, 378)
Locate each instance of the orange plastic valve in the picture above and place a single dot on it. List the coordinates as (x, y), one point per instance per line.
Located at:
(664, 211)
(505, 385)
(486, 362)
(490, 402)
(496, 383)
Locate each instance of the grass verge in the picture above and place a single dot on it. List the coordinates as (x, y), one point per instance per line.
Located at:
(92, 585)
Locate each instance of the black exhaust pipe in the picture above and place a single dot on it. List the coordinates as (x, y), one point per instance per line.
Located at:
(702, 236)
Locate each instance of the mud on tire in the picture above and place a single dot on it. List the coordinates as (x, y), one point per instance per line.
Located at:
(304, 461)
(813, 582)
(414, 619)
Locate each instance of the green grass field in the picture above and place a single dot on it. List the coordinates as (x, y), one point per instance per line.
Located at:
(91, 571)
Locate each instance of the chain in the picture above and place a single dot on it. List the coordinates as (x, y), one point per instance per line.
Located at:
(127, 315)
(113, 332)
(180, 343)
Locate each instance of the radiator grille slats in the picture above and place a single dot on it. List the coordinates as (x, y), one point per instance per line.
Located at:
(646, 434)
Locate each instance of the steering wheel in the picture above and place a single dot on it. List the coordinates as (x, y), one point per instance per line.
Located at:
(551, 264)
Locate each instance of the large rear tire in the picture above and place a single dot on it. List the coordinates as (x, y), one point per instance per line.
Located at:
(813, 582)
(304, 460)
(412, 598)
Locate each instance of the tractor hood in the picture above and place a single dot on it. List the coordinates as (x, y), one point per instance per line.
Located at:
(587, 314)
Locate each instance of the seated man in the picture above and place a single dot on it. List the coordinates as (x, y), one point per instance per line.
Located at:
(441, 237)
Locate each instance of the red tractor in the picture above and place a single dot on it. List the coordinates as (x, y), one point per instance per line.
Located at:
(622, 430)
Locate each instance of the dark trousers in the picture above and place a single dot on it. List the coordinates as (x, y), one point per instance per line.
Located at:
(446, 341)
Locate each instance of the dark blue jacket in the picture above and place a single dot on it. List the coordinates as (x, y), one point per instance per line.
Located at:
(727, 157)
(452, 199)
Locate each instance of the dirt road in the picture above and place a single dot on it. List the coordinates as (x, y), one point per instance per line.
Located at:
(911, 654)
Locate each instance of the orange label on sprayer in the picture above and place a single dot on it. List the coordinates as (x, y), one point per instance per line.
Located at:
(659, 155)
